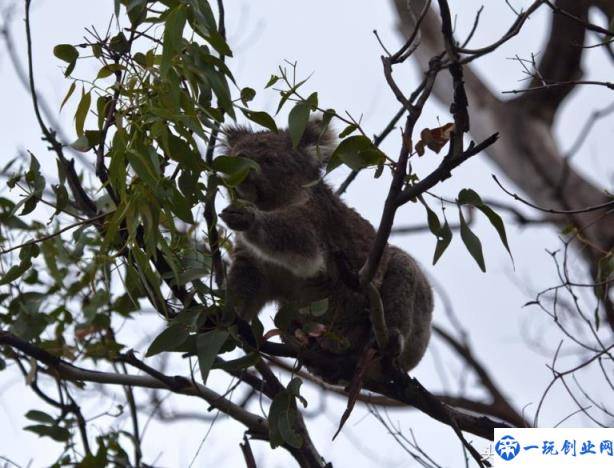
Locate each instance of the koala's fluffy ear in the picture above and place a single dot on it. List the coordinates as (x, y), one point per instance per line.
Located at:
(318, 140)
(234, 133)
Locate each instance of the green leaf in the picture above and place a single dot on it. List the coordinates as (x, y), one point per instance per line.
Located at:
(68, 94)
(180, 151)
(294, 387)
(203, 15)
(283, 421)
(37, 182)
(442, 242)
(40, 416)
(356, 152)
(143, 166)
(312, 102)
(28, 252)
(247, 95)
(203, 22)
(137, 11)
(297, 122)
(285, 315)
(244, 362)
(68, 54)
(285, 95)
(189, 186)
(103, 107)
(29, 204)
(432, 219)
(261, 118)
(235, 168)
(117, 167)
(25, 256)
(219, 84)
(29, 324)
(57, 433)
(170, 339)
(141, 59)
(172, 39)
(181, 207)
(274, 79)
(109, 70)
(208, 346)
(206, 57)
(471, 241)
(61, 198)
(497, 223)
(470, 197)
(15, 272)
(318, 308)
(348, 130)
(82, 110)
(97, 50)
(119, 43)
(219, 43)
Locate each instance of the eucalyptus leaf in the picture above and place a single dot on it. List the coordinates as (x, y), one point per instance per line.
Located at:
(208, 345)
(442, 242)
(357, 152)
(471, 241)
(82, 110)
(68, 54)
(247, 95)
(72, 88)
(40, 416)
(470, 197)
(261, 118)
(170, 339)
(297, 122)
(57, 433)
(235, 168)
(172, 38)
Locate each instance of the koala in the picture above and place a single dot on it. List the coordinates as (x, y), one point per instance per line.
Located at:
(291, 230)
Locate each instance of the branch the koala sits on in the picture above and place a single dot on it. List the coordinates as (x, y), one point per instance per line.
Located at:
(290, 236)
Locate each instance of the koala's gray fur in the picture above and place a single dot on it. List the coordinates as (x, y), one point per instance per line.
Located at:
(288, 243)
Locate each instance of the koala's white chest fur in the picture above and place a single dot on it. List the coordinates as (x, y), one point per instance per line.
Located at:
(299, 265)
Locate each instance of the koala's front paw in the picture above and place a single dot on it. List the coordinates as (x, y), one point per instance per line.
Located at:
(238, 218)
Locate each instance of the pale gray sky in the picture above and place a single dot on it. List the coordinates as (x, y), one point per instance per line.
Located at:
(334, 40)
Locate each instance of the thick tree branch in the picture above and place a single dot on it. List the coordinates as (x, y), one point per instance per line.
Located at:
(560, 61)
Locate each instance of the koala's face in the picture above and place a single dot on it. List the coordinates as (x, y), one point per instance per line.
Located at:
(284, 170)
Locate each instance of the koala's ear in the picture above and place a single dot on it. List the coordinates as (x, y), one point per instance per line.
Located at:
(318, 140)
(233, 134)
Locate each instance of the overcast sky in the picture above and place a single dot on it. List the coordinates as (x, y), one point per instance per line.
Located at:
(334, 41)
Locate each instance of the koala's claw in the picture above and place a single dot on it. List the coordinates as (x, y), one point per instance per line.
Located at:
(238, 218)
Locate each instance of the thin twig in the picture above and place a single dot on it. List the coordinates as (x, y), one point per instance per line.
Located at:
(588, 209)
(55, 234)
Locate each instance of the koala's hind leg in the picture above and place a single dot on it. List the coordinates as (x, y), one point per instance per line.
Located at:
(408, 305)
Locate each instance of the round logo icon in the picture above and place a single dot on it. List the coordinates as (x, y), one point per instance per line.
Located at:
(507, 447)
